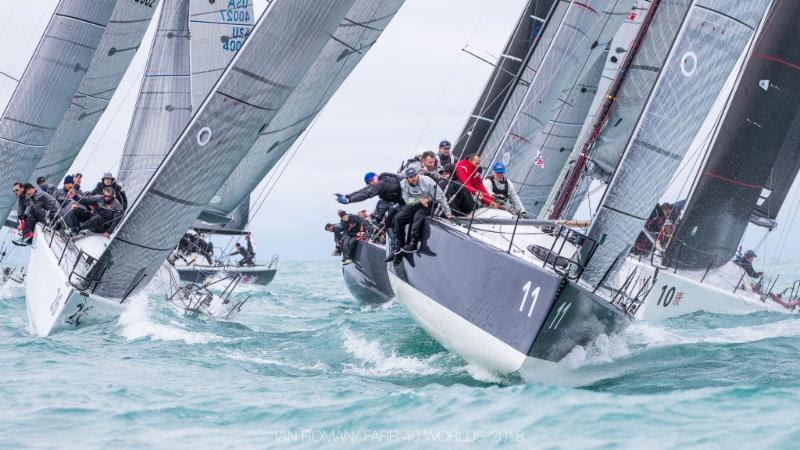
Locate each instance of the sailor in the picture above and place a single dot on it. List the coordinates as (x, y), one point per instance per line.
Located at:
(65, 197)
(370, 227)
(77, 177)
(429, 166)
(248, 254)
(444, 158)
(746, 263)
(22, 199)
(420, 194)
(39, 208)
(415, 161)
(336, 229)
(45, 186)
(106, 215)
(109, 181)
(461, 203)
(503, 190)
(351, 230)
(468, 174)
(386, 186)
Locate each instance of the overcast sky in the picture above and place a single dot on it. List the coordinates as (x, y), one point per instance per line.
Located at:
(415, 87)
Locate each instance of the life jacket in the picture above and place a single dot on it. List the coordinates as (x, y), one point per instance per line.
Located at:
(499, 190)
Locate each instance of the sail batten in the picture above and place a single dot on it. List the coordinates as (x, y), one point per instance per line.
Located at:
(279, 51)
(34, 106)
(710, 41)
(340, 56)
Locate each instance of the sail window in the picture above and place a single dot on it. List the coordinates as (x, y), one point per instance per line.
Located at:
(204, 136)
(688, 64)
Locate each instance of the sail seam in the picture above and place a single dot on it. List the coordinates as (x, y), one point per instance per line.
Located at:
(81, 20)
(749, 27)
(246, 103)
(174, 199)
(623, 212)
(143, 246)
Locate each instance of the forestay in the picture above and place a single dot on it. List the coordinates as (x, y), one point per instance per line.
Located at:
(505, 76)
(119, 44)
(261, 77)
(164, 106)
(535, 171)
(711, 41)
(37, 84)
(357, 33)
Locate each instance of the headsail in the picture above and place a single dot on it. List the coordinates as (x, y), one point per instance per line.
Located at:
(758, 145)
(121, 40)
(35, 100)
(552, 146)
(359, 30)
(164, 106)
(263, 74)
(504, 78)
(690, 75)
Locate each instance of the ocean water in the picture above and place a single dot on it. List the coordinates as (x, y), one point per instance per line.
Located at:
(306, 365)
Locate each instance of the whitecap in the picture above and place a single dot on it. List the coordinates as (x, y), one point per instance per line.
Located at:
(137, 324)
(377, 362)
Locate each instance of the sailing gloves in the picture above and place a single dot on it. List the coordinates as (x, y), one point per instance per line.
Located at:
(342, 199)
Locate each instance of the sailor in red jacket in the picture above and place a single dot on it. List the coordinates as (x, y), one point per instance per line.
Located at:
(467, 174)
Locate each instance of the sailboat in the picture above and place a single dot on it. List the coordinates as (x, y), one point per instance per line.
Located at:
(48, 50)
(518, 295)
(743, 182)
(92, 278)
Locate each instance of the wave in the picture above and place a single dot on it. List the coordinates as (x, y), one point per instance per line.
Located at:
(374, 361)
(136, 324)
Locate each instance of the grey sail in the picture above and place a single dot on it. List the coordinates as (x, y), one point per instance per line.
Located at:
(121, 40)
(356, 34)
(713, 36)
(235, 224)
(218, 29)
(503, 122)
(263, 74)
(164, 105)
(504, 78)
(576, 39)
(618, 53)
(553, 145)
(35, 101)
(749, 152)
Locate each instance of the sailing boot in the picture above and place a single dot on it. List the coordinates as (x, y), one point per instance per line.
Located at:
(411, 247)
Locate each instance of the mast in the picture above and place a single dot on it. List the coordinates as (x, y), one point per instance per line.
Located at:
(121, 41)
(263, 74)
(552, 145)
(690, 77)
(505, 76)
(35, 97)
(354, 37)
(758, 139)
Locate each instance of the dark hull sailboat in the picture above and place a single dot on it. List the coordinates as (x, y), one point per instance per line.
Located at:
(367, 278)
(259, 274)
(500, 309)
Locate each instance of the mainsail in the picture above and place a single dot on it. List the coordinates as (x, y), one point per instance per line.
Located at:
(356, 34)
(121, 40)
(164, 106)
(536, 171)
(263, 74)
(505, 76)
(218, 29)
(757, 146)
(35, 97)
(687, 76)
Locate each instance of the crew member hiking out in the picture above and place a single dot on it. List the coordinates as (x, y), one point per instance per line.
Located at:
(503, 191)
(386, 186)
(105, 213)
(467, 173)
(43, 185)
(461, 203)
(351, 229)
(40, 207)
(336, 229)
(109, 181)
(420, 193)
(444, 158)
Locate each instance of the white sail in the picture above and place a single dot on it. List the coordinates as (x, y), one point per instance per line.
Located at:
(362, 26)
(712, 38)
(121, 40)
(218, 29)
(263, 74)
(35, 93)
(164, 106)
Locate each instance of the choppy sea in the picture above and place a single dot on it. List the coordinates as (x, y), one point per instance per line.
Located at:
(306, 365)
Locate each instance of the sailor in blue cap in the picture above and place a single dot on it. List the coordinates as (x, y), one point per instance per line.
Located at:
(503, 190)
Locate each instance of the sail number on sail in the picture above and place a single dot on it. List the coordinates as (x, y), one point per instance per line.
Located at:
(148, 3)
(236, 11)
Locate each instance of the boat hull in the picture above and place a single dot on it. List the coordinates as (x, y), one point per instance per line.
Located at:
(261, 275)
(367, 278)
(494, 309)
(54, 305)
